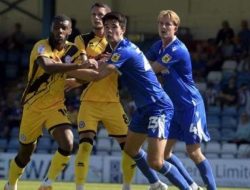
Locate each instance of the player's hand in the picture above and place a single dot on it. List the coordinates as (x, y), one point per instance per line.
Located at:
(105, 56)
(90, 63)
(70, 84)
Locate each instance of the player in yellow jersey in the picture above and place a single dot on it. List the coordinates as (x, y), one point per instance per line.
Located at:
(44, 97)
(100, 102)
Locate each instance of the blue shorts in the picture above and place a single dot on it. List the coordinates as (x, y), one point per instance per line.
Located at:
(190, 125)
(153, 119)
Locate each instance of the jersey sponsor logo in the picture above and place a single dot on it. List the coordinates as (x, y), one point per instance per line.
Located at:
(174, 48)
(81, 124)
(68, 59)
(115, 57)
(166, 58)
(41, 49)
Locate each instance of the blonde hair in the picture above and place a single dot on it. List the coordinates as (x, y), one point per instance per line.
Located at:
(170, 14)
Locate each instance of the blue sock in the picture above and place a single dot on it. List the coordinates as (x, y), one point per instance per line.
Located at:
(207, 174)
(174, 176)
(142, 164)
(178, 164)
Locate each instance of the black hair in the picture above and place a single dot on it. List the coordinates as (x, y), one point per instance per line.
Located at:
(61, 17)
(116, 16)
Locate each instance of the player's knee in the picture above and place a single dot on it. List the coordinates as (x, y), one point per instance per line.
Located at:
(24, 154)
(197, 156)
(88, 140)
(155, 164)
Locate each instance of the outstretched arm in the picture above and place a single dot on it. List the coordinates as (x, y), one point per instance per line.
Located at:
(51, 66)
(93, 75)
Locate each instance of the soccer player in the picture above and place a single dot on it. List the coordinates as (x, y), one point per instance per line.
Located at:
(100, 103)
(154, 107)
(170, 57)
(44, 97)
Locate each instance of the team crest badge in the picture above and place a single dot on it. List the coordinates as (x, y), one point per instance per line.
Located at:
(22, 138)
(81, 125)
(41, 49)
(115, 57)
(166, 58)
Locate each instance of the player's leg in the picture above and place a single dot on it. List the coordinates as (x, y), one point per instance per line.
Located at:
(175, 132)
(173, 159)
(27, 138)
(158, 131)
(195, 132)
(116, 123)
(18, 164)
(88, 118)
(60, 128)
(137, 134)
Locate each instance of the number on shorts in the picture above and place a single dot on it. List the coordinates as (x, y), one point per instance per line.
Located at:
(193, 129)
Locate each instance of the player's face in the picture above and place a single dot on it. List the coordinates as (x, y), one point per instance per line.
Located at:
(166, 27)
(113, 31)
(61, 30)
(96, 17)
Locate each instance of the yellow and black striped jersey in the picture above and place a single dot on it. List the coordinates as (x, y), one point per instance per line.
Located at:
(44, 90)
(105, 90)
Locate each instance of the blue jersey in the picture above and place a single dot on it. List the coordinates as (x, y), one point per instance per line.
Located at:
(178, 80)
(137, 74)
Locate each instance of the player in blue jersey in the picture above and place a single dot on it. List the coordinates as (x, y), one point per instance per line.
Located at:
(170, 57)
(154, 107)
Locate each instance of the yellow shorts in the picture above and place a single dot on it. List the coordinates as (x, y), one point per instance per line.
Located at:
(110, 114)
(33, 121)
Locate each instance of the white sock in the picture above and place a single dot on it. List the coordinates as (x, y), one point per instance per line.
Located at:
(79, 187)
(47, 182)
(154, 185)
(194, 186)
(126, 186)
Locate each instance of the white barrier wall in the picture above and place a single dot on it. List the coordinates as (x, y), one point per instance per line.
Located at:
(228, 172)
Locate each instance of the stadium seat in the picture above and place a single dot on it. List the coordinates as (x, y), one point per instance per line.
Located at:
(103, 145)
(229, 65)
(13, 145)
(214, 77)
(227, 134)
(213, 150)
(180, 149)
(214, 134)
(213, 110)
(202, 86)
(243, 151)
(213, 121)
(229, 111)
(115, 146)
(102, 133)
(228, 122)
(3, 144)
(43, 145)
(14, 132)
(228, 150)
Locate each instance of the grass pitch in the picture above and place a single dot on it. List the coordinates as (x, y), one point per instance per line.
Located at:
(33, 185)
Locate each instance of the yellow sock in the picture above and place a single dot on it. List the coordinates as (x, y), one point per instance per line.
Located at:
(15, 173)
(58, 163)
(128, 168)
(82, 163)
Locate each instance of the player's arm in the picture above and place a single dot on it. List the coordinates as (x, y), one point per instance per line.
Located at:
(93, 75)
(157, 67)
(51, 66)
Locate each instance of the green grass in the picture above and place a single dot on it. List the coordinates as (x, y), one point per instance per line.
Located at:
(33, 185)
